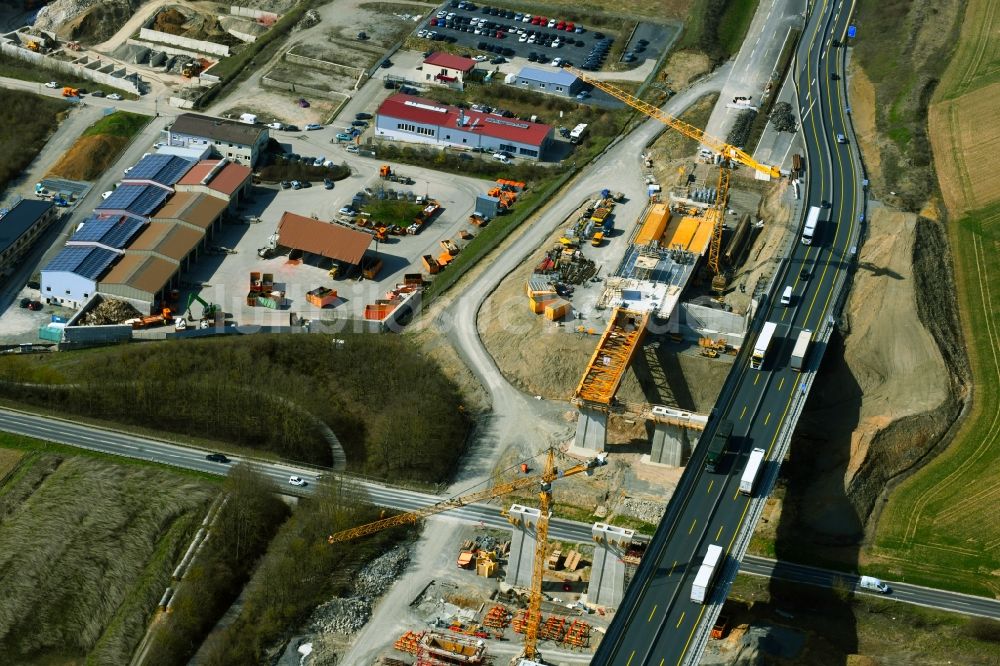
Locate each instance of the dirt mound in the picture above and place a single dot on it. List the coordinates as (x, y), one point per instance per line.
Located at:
(885, 395)
(170, 21)
(89, 157)
(86, 20)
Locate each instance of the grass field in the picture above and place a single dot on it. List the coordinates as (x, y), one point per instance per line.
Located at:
(734, 24)
(672, 145)
(943, 524)
(398, 213)
(600, 12)
(26, 122)
(86, 549)
(964, 125)
(99, 146)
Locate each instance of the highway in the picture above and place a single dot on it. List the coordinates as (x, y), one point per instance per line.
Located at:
(133, 446)
(658, 624)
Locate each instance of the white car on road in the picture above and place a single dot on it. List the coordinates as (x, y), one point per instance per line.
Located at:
(115, 96)
(52, 84)
(296, 481)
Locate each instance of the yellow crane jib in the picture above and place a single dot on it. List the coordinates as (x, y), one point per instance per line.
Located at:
(729, 152)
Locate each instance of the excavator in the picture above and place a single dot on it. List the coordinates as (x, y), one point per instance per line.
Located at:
(544, 483)
(209, 310)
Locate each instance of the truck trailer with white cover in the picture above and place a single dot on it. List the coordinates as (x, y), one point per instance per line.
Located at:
(809, 230)
(801, 350)
(706, 574)
(751, 471)
(762, 345)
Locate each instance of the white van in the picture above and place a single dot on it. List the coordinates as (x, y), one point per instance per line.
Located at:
(874, 584)
(786, 296)
(500, 157)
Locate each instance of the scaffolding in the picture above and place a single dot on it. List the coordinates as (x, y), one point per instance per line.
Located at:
(611, 358)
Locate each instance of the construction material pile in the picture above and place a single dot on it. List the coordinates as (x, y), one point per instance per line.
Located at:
(110, 311)
(349, 615)
(645, 510)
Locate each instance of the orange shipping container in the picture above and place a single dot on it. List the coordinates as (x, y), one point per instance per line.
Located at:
(538, 304)
(654, 225)
(557, 309)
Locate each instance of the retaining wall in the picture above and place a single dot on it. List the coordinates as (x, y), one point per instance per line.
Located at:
(98, 71)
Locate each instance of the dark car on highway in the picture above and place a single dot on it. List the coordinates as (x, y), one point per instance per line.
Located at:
(217, 457)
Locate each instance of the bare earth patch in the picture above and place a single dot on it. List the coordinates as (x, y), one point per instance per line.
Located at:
(683, 67)
(862, 96)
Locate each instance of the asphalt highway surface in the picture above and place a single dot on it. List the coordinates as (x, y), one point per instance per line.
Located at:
(658, 622)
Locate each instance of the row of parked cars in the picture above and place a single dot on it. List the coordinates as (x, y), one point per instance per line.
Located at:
(558, 24)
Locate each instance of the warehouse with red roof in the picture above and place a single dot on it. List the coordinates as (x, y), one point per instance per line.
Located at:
(418, 120)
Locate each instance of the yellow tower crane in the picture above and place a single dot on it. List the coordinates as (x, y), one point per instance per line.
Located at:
(730, 154)
(544, 480)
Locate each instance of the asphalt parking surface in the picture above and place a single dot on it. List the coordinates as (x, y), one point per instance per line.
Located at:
(462, 31)
(649, 41)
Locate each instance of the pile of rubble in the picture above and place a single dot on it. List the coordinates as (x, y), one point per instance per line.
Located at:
(109, 311)
(67, 17)
(645, 510)
(348, 616)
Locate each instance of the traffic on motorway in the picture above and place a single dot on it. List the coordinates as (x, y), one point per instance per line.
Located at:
(683, 579)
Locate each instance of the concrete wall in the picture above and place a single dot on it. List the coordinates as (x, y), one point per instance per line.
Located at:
(151, 35)
(699, 320)
(103, 72)
(305, 90)
(325, 65)
(248, 12)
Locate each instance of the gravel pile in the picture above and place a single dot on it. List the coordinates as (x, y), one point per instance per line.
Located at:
(349, 615)
(109, 312)
(645, 510)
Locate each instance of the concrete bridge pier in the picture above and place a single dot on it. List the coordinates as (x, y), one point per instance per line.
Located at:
(671, 444)
(591, 430)
(522, 545)
(607, 574)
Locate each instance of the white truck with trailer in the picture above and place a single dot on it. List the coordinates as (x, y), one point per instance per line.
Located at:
(752, 471)
(809, 230)
(801, 350)
(763, 344)
(706, 574)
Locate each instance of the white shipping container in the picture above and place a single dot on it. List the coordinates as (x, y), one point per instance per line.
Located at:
(703, 580)
(750, 472)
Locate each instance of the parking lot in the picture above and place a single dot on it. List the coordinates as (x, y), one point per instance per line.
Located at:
(503, 33)
(225, 278)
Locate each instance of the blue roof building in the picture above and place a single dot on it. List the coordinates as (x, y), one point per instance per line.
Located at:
(553, 81)
(112, 233)
(71, 277)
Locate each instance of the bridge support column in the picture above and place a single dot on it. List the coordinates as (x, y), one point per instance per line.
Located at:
(607, 575)
(591, 430)
(522, 545)
(671, 444)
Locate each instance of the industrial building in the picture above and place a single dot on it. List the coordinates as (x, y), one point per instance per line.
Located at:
(554, 82)
(447, 69)
(225, 179)
(419, 120)
(142, 236)
(337, 243)
(20, 227)
(241, 142)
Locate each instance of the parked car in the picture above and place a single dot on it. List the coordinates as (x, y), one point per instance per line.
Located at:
(291, 128)
(583, 95)
(347, 210)
(352, 148)
(35, 306)
(296, 185)
(105, 195)
(52, 84)
(296, 481)
(217, 457)
(386, 64)
(327, 183)
(303, 102)
(362, 116)
(359, 123)
(97, 93)
(115, 96)
(25, 302)
(314, 126)
(343, 136)
(285, 184)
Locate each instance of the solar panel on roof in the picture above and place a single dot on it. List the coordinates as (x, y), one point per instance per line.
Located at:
(122, 198)
(159, 168)
(110, 231)
(148, 201)
(136, 199)
(88, 262)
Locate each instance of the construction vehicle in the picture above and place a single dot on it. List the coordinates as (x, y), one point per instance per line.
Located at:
(153, 320)
(544, 480)
(450, 247)
(33, 46)
(384, 171)
(70, 92)
(729, 154)
(597, 239)
(192, 68)
(209, 310)
(719, 628)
